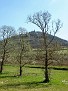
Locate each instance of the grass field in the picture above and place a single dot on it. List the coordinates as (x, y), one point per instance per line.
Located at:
(32, 80)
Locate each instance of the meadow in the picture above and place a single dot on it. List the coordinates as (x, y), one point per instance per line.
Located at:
(32, 79)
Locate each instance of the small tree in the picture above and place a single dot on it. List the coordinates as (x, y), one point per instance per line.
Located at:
(42, 20)
(23, 47)
(6, 32)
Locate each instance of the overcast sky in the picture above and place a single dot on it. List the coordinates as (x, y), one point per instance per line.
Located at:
(15, 12)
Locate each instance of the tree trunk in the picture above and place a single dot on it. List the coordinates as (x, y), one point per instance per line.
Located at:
(1, 67)
(3, 57)
(46, 69)
(46, 57)
(20, 70)
(2, 62)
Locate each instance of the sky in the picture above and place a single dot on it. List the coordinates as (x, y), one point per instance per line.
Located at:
(15, 12)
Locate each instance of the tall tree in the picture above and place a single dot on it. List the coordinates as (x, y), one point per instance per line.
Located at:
(42, 20)
(6, 32)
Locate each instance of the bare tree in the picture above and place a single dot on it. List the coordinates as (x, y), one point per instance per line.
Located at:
(22, 49)
(42, 20)
(6, 32)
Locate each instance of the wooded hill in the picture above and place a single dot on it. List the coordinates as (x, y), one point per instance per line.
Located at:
(36, 38)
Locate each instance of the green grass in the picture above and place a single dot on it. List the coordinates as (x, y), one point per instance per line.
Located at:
(31, 80)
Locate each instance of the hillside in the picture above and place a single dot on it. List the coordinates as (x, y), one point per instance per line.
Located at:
(36, 39)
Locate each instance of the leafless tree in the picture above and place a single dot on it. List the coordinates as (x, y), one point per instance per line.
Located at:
(6, 32)
(22, 49)
(43, 21)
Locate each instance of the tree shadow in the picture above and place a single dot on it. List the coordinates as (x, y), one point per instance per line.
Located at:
(9, 76)
(25, 85)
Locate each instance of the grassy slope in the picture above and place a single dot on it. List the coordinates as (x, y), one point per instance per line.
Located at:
(32, 80)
